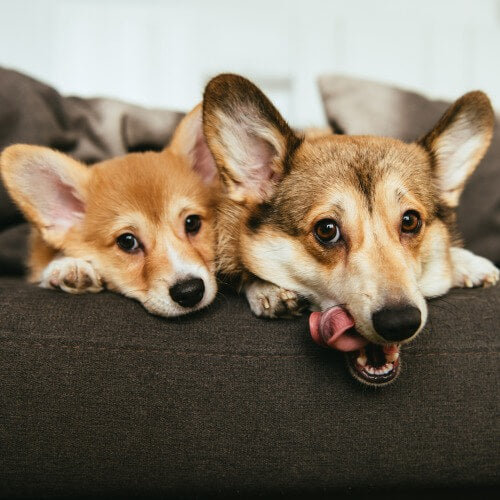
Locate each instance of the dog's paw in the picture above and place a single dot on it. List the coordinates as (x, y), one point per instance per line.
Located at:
(470, 270)
(71, 275)
(270, 301)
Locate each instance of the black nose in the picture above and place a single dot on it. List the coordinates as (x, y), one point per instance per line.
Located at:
(397, 323)
(189, 292)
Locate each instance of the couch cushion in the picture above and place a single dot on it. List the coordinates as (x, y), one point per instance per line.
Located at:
(98, 397)
(90, 130)
(14, 249)
(356, 106)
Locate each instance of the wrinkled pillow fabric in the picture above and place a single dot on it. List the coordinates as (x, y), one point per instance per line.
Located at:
(362, 107)
(90, 130)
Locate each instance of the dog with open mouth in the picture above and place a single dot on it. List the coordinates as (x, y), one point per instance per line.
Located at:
(360, 228)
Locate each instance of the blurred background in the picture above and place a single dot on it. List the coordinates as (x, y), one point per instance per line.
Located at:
(160, 53)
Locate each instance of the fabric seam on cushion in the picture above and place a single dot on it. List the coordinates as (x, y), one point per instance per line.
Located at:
(90, 347)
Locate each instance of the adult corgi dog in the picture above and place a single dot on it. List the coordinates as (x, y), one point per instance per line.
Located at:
(361, 227)
(141, 225)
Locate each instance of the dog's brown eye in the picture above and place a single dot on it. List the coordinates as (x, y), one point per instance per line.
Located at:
(128, 242)
(192, 224)
(411, 222)
(327, 231)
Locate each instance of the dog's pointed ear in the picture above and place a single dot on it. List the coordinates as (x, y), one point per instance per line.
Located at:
(249, 139)
(49, 187)
(458, 143)
(189, 142)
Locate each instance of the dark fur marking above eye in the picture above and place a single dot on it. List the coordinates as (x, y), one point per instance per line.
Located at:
(448, 216)
(258, 216)
(264, 213)
(365, 182)
(293, 145)
(288, 226)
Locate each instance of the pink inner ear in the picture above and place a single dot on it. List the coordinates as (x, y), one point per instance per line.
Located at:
(203, 161)
(259, 176)
(58, 203)
(67, 208)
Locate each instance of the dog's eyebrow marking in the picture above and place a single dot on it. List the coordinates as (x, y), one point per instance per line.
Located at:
(125, 227)
(339, 208)
(257, 217)
(130, 220)
(365, 182)
(337, 200)
(400, 194)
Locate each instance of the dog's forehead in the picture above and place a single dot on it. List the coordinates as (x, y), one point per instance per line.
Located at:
(128, 184)
(341, 155)
(360, 163)
(153, 183)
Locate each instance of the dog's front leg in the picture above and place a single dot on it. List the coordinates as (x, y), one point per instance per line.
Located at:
(471, 270)
(71, 275)
(271, 301)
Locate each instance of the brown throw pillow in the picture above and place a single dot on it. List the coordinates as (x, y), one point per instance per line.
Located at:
(356, 106)
(90, 130)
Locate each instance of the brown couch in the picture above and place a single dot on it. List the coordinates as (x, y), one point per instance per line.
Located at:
(99, 398)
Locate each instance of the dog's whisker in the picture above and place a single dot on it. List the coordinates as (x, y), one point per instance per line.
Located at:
(220, 294)
(141, 290)
(360, 293)
(448, 303)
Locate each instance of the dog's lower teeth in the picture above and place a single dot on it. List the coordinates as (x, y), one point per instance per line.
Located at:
(372, 370)
(387, 368)
(374, 364)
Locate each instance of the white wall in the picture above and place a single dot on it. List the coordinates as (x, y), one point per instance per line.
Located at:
(161, 53)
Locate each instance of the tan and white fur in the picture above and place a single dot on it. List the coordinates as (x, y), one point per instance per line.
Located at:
(281, 187)
(129, 224)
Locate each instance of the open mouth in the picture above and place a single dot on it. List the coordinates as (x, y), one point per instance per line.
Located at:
(372, 364)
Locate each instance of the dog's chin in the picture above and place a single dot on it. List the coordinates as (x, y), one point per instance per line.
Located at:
(166, 309)
(160, 305)
(374, 364)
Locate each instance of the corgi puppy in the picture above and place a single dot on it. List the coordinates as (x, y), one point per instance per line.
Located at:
(141, 225)
(361, 228)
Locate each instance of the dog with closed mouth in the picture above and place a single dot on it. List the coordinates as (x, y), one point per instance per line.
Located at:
(361, 228)
(141, 225)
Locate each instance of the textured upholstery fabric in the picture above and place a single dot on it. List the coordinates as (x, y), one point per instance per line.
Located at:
(98, 397)
(356, 106)
(14, 249)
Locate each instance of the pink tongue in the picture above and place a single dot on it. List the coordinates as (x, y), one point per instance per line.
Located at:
(329, 328)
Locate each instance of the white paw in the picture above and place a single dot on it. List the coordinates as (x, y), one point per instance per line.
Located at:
(71, 275)
(470, 270)
(270, 301)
